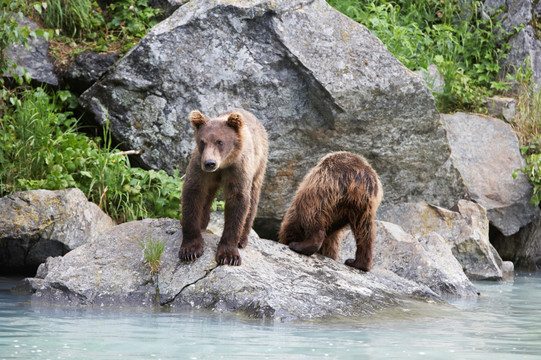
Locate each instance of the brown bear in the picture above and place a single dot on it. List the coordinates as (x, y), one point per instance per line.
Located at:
(342, 189)
(231, 152)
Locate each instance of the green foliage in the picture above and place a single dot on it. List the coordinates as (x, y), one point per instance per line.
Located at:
(532, 169)
(528, 127)
(119, 27)
(152, 254)
(40, 148)
(131, 20)
(74, 17)
(11, 33)
(450, 34)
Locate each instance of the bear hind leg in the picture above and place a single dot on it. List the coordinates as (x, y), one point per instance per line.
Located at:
(331, 245)
(205, 216)
(254, 201)
(364, 230)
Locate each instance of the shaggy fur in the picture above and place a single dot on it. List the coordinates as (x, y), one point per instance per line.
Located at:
(342, 189)
(231, 152)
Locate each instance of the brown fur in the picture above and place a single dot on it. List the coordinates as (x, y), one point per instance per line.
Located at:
(231, 152)
(342, 189)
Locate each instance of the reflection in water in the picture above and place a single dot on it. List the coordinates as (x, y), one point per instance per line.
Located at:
(504, 323)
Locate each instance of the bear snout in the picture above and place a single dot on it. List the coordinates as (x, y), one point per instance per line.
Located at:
(209, 165)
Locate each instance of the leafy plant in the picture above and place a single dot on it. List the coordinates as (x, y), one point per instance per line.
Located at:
(130, 20)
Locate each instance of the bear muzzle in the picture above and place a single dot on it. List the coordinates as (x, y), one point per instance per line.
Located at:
(210, 165)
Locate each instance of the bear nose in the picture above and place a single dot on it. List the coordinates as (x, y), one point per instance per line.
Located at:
(210, 165)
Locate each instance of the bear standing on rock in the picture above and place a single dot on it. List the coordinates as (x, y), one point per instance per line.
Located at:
(231, 152)
(341, 189)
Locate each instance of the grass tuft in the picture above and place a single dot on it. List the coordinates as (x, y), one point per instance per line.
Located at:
(152, 254)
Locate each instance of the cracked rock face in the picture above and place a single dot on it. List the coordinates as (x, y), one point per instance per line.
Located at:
(318, 81)
(273, 281)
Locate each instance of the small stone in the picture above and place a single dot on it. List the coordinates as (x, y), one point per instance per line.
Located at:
(502, 108)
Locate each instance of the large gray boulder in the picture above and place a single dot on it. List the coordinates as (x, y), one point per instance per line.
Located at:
(466, 230)
(41, 223)
(273, 281)
(317, 80)
(486, 152)
(428, 260)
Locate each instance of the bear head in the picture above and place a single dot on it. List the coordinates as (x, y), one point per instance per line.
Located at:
(219, 140)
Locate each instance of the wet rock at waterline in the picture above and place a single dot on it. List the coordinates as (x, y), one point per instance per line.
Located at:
(273, 281)
(318, 81)
(466, 230)
(428, 260)
(40, 223)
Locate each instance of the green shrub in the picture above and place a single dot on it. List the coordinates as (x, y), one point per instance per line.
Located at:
(527, 124)
(40, 148)
(127, 21)
(450, 34)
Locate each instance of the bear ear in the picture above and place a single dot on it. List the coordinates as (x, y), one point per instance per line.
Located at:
(197, 119)
(235, 121)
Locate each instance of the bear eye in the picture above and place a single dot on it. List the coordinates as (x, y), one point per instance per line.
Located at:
(201, 143)
(219, 143)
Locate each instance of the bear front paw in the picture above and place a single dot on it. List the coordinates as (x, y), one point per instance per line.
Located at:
(190, 252)
(353, 263)
(228, 256)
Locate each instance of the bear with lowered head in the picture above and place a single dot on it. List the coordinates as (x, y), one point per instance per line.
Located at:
(230, 152)
(342, 189)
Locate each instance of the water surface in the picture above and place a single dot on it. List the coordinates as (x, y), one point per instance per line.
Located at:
(503, 323)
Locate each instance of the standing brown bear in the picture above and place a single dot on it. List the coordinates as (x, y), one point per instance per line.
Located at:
(342, 189)
(231, 152)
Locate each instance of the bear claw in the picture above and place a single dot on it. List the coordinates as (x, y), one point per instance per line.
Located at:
(188, 254)
(232, 261)
(228, 257)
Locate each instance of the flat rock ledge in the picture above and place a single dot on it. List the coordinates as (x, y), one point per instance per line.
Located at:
(272, 283)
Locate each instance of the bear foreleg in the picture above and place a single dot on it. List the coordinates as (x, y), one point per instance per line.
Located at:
(237, 205)
(192, 242)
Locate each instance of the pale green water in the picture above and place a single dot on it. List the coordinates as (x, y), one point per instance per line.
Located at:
(504, 323)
